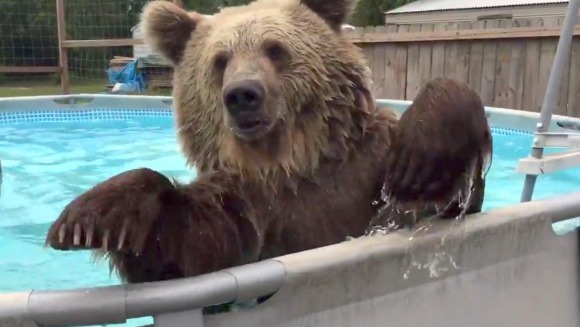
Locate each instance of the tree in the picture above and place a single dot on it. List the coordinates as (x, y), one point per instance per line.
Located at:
(371, 12)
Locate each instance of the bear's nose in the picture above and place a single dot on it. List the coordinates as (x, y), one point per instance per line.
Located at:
(246, 95)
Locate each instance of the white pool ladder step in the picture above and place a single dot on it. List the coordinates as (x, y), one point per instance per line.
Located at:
(552, 162)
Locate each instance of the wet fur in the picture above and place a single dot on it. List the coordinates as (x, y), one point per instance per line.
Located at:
(427, 169)
(314, 180)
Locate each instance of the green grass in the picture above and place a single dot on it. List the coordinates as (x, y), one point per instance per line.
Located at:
(47, 87)
(50, 87)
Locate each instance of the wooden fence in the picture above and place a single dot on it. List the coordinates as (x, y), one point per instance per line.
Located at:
(507, 62)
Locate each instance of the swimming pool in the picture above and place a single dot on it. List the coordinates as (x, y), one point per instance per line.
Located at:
(50, 157)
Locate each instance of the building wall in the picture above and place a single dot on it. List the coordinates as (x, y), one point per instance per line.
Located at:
(516, 12)
(141, 50)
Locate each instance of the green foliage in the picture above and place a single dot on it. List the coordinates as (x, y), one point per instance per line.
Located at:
(371, 12)
(28, 32)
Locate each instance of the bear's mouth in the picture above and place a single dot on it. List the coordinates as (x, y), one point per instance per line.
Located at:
(252, 128)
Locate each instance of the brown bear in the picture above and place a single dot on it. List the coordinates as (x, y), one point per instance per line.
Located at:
(273, 107)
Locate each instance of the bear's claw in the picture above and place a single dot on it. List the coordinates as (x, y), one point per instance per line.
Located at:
(88, 236)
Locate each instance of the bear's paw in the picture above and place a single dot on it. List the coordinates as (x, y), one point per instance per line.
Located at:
(115, 215)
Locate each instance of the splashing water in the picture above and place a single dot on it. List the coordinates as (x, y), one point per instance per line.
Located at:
(439, 260)
(436, 262)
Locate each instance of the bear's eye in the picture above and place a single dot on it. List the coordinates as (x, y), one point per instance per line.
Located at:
(275, 51)
(220, 62)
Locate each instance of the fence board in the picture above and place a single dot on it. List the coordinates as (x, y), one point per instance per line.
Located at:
(390, 73)
(488, 69)
(451, 59)
(547, 54)
(502, 70)
(401, 66)
(413, 80)
(378, 66)
(516, 73)
(531, 70)
(425, 54)
(476, 60)
(438, 54)
(463, 50)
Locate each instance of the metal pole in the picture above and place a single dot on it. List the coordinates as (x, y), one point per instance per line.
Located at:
(553, 89)
(62, 51)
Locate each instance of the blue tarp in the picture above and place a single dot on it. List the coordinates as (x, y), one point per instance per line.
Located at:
(129, 78)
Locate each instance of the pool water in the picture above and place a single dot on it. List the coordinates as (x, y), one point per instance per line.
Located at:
(46, 165)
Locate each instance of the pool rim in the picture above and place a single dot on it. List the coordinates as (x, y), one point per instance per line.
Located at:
(505, 118)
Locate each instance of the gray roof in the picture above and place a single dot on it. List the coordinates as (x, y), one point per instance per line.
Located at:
(439, 5)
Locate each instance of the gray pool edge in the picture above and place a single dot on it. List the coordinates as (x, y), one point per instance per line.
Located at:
(331, 285)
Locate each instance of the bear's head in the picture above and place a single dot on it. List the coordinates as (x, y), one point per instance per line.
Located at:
(272, 86)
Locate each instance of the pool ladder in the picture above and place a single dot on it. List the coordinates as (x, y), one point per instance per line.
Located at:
(537, 163)
(549, 163)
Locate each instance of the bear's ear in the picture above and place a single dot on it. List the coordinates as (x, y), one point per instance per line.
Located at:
(334, 12)
(167, 28)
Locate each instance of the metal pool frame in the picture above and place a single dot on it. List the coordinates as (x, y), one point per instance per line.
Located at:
(504, 267)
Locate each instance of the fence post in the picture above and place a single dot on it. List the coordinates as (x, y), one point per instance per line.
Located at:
(62, 51)
(553, 89)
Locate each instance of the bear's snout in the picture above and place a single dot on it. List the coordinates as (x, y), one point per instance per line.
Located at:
(244, 96)
(244, 101)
